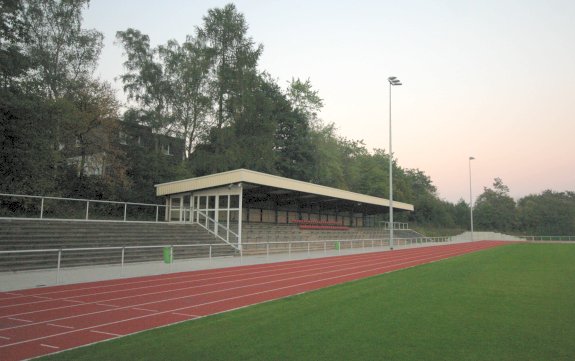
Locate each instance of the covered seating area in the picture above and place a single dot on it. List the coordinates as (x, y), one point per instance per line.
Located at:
(222, 202)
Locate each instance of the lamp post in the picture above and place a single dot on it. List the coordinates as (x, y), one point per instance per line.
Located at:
(470, 198)
(393, 81)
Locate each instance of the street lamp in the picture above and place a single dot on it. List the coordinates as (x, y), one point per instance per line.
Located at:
(470, 198)
(393, 81)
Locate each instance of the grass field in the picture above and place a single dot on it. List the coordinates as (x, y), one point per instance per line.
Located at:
(514, 302)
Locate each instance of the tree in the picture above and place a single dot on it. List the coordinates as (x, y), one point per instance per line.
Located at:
(27, 156)
(13, 35)
(234, 59)
(548, 213)
(90, 124)
(169, 83)
(461, 214)
(305, 100)
(494, 208)
(249, 142)
(62, 53)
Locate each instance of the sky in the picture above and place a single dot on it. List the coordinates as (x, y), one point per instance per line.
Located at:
(492, 79)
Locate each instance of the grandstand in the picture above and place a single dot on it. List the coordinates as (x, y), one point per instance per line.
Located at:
(220, 215)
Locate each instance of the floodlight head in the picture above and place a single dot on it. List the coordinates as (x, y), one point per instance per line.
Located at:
(471, 158)
(393, 80)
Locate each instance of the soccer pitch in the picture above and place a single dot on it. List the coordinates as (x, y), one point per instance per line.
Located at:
(514, 302)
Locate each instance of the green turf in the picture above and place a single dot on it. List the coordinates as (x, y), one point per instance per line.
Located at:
(514, 302)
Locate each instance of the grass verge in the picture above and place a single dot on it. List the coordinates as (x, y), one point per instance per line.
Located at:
(508, 303)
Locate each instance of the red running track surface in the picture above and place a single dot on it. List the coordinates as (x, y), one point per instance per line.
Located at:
(40, 321)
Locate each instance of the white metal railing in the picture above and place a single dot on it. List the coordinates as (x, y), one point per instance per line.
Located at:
(253, 251)
(339, 245)
(86, 211)
(217, 229)
(548, 238)
(167, 254)
(396, 225)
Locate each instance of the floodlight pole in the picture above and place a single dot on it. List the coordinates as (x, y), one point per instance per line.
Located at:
(470, 198)
(393, 81)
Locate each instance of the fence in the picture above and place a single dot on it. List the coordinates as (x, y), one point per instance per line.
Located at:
(58, 208)
(548, 238)
(69, 258)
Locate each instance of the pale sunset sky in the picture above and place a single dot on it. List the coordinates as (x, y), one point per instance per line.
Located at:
(492, 79)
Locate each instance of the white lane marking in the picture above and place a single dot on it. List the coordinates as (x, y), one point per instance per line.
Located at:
(185, 314)
(4, 338)
(143, 309)
(106, 333)
(49, 346)
(18, 319)
(53, 324)
(105, 305)
(42, 297)
(74, 301)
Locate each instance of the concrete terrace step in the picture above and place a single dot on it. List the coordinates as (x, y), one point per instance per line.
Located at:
(49, 234)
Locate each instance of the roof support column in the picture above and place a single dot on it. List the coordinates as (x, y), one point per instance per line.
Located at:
(241, 218)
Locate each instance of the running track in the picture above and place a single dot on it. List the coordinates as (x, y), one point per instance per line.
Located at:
(40, 321)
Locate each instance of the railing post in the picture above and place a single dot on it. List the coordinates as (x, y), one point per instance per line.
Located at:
(87, 208)
(123, 253)
(157, 212)
(125, 210)
(308, 249)
(289, 250)
(171, 257)
(324, 248)
(59, 262)
(210, 253)
(42, 208)
(267, 252)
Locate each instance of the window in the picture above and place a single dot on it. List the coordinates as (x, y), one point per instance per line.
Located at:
(166, 148)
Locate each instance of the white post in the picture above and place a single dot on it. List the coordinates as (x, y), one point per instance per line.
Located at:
(470, 198)
(123, 254)
(392, 81)
(42, 208)
(240, 218)
(59, 262)
(390, 178)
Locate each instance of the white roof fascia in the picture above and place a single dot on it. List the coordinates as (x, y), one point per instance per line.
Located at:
(249, 176)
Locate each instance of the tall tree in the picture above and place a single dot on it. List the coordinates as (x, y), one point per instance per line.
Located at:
(234, 59)
(62, 53)
(90, 124)
(305, 99)
(13, 35)
(169, 84)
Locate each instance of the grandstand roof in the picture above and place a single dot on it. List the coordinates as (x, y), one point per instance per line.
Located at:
(256, 182)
